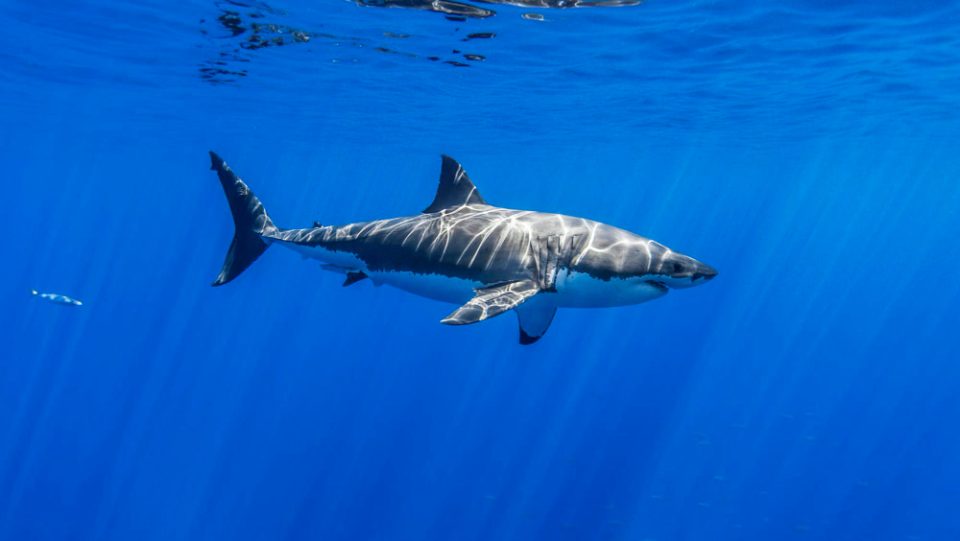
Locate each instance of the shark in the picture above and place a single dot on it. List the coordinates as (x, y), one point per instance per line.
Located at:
(460, 249)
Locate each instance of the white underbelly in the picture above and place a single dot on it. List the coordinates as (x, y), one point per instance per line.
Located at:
(433, 286)
(345, 260)
(580, 290)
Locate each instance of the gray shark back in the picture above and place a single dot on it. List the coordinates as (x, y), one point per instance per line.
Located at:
(458, 235)
(478, 242)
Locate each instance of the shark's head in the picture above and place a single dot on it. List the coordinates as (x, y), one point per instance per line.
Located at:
(629, 269)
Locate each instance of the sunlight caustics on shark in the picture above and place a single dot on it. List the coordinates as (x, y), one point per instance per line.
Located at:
(464, 251)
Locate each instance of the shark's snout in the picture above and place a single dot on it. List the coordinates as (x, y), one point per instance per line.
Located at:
(684, 271)
(704, 272)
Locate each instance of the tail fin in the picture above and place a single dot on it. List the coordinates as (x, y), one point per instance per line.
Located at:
(249, 218)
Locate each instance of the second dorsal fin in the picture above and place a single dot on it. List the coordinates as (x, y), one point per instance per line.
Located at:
(455, 188)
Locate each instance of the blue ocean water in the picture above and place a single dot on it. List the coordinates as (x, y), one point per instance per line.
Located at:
(808, 150)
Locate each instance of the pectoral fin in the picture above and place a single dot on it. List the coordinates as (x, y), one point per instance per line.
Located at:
(491, 301)
(535, 317)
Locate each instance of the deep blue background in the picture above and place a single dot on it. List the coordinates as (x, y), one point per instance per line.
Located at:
(807, 151)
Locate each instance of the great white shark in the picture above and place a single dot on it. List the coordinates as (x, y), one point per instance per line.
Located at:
(464, 251)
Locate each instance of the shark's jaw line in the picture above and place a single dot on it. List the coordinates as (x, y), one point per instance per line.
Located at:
(464, 251)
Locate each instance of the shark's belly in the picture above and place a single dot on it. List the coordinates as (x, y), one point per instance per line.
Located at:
(580, 290)
(433, 286)
(342, 259)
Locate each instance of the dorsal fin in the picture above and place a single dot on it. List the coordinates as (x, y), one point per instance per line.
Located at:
(455, 188)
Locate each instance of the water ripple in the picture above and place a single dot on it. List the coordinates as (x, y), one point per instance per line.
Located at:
(797, 69)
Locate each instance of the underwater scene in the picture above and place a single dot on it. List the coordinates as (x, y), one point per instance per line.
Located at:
(472, 270)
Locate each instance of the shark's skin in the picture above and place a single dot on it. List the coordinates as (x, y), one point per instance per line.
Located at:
(464, 251)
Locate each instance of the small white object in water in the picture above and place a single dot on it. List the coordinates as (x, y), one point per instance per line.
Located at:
(56, 298)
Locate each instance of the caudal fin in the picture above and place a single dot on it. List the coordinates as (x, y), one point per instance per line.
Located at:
(249, 219)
